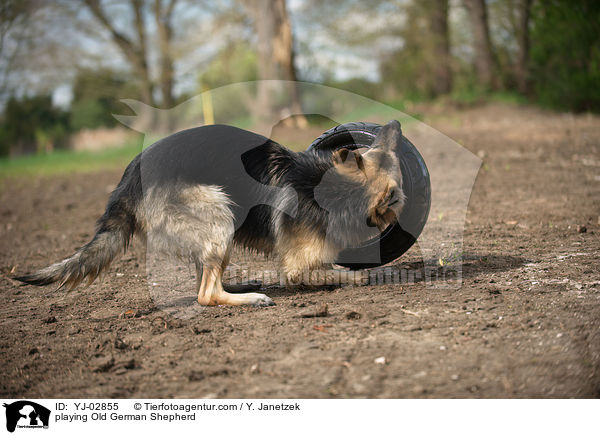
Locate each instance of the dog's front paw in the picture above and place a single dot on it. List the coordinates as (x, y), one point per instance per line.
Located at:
(260, 300)
(253, 299)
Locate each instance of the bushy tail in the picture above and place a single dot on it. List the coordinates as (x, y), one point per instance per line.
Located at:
(86, 263)
(114, 231)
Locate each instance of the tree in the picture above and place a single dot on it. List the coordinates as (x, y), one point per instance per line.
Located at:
(565, 54)
(522, 63)
(421, 67)
(15, 31)
(135, 50)
(484, 57)
(275, 49)
(163, 15)
(438, 24)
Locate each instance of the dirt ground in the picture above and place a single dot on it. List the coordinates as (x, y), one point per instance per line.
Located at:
(524, 323)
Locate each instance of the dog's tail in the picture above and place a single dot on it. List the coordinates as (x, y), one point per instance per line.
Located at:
(113, 233)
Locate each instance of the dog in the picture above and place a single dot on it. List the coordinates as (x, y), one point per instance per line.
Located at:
(197, 193)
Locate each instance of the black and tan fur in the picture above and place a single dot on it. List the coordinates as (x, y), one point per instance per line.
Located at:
(199, 192)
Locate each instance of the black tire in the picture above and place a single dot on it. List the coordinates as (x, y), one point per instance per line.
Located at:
(399, 237)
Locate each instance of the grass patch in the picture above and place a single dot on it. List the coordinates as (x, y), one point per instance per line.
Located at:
(66, 162)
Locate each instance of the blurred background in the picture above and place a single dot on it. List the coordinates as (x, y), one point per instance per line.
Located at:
(515, 84)
(65, 65)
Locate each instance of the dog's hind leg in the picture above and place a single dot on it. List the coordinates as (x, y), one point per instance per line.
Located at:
(199, 224)
(211, 292)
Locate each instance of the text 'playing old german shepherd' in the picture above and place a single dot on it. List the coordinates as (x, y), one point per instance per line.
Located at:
(198, 192)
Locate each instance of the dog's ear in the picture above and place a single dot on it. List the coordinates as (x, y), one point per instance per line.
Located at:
(340, 156)
(348, 158)
(388, 136)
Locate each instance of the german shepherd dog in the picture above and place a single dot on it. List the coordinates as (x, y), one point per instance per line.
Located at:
(197, 193)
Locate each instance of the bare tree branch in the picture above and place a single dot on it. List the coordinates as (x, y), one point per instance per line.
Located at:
(275, 54)
(484, 56)
(14, 33)
(140, 25)
(134, 54)
(165, 34)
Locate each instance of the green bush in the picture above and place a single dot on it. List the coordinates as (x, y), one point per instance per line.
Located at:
(236, 63)
(89, 113)
(96, 95)
(32, 124)
(565, 54)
